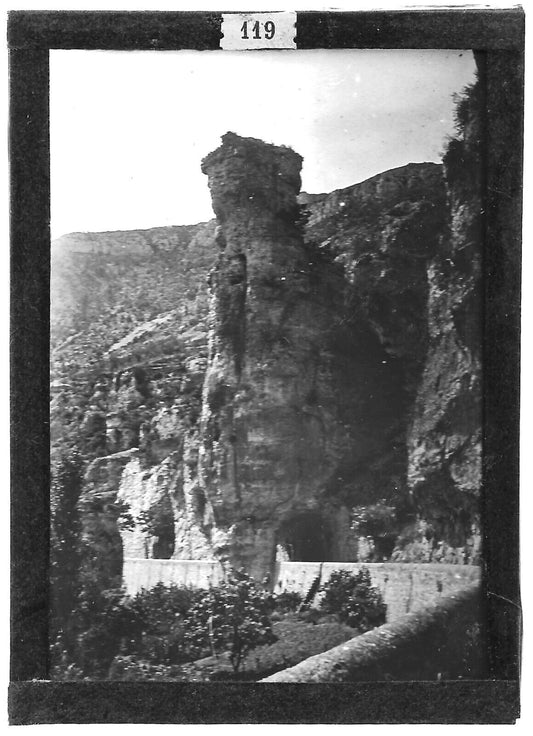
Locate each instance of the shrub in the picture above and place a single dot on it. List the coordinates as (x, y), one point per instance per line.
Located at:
(161, 603)
(148, 630)
(286, 601)
(234, 617)
(353, 598)
(161, 613)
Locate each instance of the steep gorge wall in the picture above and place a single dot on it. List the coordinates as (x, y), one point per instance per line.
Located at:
(386, 232)
(444, 467)
(410, 242)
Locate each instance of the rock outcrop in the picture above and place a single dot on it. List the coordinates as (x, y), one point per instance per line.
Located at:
(100, 511)
(272, 434)
(152, 408)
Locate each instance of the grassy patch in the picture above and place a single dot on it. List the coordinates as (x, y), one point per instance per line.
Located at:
(297, 640)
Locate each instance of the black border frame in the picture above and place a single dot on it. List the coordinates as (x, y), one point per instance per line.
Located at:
(499, 34)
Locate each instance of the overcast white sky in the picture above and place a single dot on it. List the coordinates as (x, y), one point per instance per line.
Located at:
(129, 129)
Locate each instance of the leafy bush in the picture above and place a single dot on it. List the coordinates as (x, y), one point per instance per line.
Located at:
(286, 601)
(148, 628)
(234, 617)
(162, 603)
(353, 598)
(161, 614)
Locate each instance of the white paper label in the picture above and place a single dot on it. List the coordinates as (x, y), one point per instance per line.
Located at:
(258, 31)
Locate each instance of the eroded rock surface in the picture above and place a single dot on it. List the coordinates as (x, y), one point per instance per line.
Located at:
(445, 437)
(272, 434)
(384, 235)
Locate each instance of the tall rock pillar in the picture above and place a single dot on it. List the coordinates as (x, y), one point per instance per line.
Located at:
(268, 439)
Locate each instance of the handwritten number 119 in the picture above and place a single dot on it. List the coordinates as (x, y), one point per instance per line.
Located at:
(270, 30)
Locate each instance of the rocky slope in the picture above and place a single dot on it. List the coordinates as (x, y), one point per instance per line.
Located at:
(116, 288)
(318, 399)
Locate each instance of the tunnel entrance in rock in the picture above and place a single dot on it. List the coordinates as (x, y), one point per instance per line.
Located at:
(304, 537)
(163, 548)
(163, 531)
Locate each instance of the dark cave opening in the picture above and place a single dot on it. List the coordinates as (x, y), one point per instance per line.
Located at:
(163, 548)
(163, 531)
(305, 537)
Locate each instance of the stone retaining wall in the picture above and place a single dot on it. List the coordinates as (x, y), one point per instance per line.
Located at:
(404, 587)
(139, 574)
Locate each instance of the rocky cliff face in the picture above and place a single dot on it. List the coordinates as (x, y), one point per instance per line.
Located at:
(385, 234)
(129, 349)
(318, 400)
(151, 405)
(444, 468)
(384, 231)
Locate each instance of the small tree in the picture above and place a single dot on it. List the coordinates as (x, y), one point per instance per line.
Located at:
(234, 617)
(353, 598)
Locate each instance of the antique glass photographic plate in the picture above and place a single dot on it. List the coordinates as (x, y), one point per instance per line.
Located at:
(266, 276)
